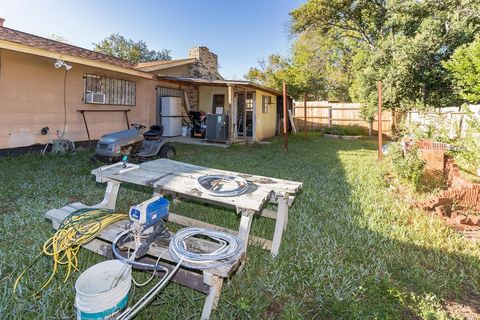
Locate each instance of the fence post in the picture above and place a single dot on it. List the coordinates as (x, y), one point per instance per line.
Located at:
(329, 116)
(380, 123)
(305, 116)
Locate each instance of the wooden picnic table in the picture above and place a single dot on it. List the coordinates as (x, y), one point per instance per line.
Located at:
(180, 180)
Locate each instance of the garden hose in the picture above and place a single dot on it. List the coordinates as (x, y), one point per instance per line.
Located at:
(78, 228)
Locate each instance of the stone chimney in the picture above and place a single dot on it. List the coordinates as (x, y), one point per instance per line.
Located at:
(206, 66)
(1, 22)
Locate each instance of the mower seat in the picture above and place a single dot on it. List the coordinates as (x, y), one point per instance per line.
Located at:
(155, 133)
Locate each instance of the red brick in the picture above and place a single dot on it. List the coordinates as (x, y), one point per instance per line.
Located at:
(440, 210)
(472, 220)
(460, 219)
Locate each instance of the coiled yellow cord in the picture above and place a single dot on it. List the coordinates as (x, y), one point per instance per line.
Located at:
(80, 227)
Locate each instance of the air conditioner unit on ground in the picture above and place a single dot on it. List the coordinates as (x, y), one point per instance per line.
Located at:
(95, 97)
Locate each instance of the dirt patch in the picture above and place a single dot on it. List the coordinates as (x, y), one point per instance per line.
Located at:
(467, 306)
(72, 199)
(274, 310)
(408, 313)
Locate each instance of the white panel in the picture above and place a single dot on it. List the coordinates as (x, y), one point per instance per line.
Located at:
(171, 120)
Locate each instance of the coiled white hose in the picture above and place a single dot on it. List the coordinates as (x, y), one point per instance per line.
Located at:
(212, 184)
(231, 248)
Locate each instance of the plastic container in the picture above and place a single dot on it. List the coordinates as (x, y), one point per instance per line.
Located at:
(95, 298)
(184, 131)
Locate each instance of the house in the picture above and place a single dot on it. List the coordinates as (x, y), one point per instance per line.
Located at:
(79, 94)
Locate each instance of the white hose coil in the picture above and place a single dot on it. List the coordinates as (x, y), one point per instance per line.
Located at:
(231, 247)
(209, 184)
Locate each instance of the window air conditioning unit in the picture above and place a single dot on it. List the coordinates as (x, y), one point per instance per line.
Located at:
(95, 97)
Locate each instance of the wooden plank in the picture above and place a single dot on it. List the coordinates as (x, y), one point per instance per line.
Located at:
(158, 248)
(278, 185)
(290, 117)
(252, 200)
(185, 221)
(183, 181)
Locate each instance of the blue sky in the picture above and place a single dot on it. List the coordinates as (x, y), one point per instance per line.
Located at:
(240, 31)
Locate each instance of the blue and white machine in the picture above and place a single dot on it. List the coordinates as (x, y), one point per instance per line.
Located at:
(149, 212)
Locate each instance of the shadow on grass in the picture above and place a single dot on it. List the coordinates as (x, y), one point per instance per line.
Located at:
(352, 249)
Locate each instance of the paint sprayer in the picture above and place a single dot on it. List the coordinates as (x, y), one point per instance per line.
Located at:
(146, 226)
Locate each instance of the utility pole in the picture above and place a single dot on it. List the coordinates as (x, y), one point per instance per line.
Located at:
(380, 141)
(285, 115)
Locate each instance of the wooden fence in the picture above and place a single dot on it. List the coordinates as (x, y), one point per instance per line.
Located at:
(326, 114)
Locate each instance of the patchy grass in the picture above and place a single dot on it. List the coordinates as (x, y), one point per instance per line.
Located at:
(353, 249)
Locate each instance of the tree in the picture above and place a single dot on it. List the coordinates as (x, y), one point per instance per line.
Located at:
(315, 67)
(134, 51)
(402, 42)
(58, 38)
(270, 73)
(464, 66)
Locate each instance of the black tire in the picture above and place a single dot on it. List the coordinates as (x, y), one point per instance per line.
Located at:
(167, 151)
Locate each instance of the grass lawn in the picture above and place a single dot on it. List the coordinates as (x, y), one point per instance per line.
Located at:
(353, 248)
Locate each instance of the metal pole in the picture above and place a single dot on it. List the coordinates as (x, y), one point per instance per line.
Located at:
(305, 116)
(380, 143)
(285, 128)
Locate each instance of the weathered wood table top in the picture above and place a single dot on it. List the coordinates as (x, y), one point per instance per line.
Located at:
(179, 177)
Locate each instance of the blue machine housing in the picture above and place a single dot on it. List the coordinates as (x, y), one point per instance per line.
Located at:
(153, 212)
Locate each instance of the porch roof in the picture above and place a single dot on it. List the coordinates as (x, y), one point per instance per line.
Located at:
(220, 83)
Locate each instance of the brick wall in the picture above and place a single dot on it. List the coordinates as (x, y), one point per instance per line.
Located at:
(459, 204)
(206, 66)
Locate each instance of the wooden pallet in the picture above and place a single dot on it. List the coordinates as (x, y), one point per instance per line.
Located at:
(207, 281)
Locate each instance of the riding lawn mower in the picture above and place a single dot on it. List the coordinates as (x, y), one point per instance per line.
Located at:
(135, 144)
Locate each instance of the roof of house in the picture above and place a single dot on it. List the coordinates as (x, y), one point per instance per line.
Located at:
(221, 83)
(160, 65)
(141, 69)
(31, 40)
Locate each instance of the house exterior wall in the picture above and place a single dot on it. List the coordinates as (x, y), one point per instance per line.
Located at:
(265, 122)
(177, 71)
(31, 97)
(206, 97)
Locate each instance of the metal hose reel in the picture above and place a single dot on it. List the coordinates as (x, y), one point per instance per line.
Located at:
(222, 185)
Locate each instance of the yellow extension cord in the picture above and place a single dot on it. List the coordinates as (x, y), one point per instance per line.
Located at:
(79, 228)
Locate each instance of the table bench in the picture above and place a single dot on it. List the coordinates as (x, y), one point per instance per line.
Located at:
(179, 180)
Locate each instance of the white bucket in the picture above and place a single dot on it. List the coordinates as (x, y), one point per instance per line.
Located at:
(184, 131)
(95, 298)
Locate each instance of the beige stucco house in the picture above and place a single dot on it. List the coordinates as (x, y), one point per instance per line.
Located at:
(102, 93)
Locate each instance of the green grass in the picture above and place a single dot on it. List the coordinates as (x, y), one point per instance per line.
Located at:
(353, 249)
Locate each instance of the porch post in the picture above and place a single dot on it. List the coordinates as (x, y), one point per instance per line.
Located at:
(245, 114)
(230, 107)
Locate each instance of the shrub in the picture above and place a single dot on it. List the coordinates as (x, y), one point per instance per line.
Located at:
(345, 130)
(407, 164)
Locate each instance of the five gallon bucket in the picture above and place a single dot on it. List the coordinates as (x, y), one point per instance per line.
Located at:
(102, 290)
(184, 131)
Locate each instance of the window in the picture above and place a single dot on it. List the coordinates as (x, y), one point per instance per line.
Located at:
(218, 102)
(249, 102)
(266, 100)
(106, 90)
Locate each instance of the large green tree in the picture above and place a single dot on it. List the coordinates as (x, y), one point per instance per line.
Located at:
(134, 51)
(317, 66)
(402, 42)
(464, 66)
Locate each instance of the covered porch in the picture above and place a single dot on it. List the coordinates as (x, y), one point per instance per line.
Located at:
(250, 109)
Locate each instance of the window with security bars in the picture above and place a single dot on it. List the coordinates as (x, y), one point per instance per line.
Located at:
(106, 90)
